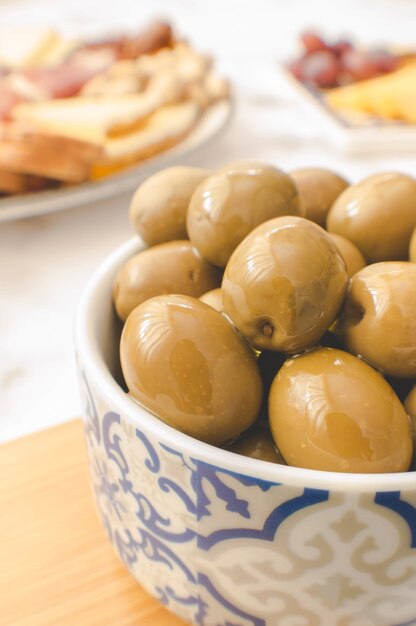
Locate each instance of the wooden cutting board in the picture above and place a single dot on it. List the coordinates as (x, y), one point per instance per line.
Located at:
(57, 567)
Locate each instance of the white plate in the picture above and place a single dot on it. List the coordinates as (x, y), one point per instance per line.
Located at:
(210, 125)
(370, 136)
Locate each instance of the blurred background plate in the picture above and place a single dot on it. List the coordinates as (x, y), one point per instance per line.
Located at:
(211, 124)
(359, 135)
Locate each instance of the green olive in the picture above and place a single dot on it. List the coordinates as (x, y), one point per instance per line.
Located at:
(284, 285)
(353, 257)
(213, 298)
(410, 406)
(378, 214)
(257, 443)
(318, 188)
(331, 411)
(159, 206)
(185, 363)
(412, 248)
(174, 267)
(225, 207)
(378, 321)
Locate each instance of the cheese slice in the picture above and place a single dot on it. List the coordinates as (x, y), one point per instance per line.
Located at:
(88, 118)
(160, 131)
(392, 96)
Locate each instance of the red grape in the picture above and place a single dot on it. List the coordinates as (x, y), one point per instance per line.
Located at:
(312, 42)
(341, 46)
(326, 64)
(360, 65)
(320, 69)
(385, 61)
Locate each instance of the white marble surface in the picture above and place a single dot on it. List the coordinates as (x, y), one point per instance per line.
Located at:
(46, 261)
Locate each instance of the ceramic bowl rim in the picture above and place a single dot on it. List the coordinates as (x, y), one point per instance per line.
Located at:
(98, 374)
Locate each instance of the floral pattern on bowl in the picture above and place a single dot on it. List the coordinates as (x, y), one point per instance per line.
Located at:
(220, 548)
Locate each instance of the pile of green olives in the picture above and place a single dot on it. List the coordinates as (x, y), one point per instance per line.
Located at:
(272, 313)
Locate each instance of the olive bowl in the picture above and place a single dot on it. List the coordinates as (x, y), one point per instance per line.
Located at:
(225, 540)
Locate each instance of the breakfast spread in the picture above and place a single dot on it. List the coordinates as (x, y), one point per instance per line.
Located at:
(355, 82)
(283, 328)
(74, 111)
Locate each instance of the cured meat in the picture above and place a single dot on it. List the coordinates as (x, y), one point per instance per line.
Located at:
(8, 99)
(156, 36)
(67, 79)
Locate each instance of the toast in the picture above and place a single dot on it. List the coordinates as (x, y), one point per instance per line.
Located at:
(27, 151)
(13, 183)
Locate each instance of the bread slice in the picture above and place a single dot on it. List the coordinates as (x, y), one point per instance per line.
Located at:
(10, 182)
(15, 131)
(27, 151)
(160, 131)
(13, 183)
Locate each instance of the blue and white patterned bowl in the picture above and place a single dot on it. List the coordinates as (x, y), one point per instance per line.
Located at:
(224, 540)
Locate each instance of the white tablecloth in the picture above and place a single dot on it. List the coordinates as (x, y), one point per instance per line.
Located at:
(46, 261)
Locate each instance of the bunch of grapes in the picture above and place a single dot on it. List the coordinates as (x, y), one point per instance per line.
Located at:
(324, 64)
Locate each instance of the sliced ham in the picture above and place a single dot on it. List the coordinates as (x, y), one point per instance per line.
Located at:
(66, 80)
(157, 35)
(8, 99)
